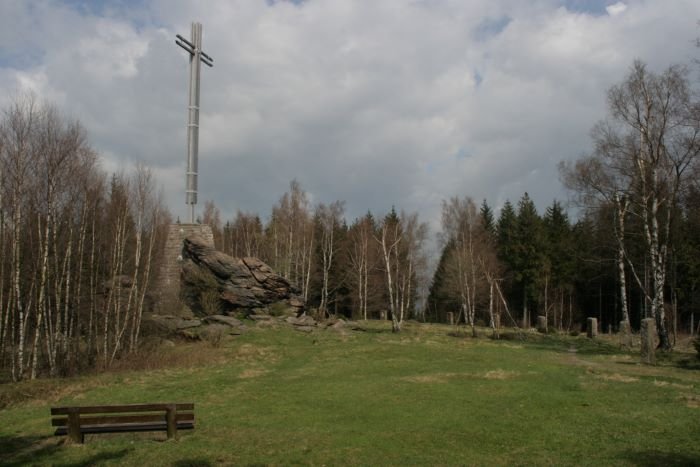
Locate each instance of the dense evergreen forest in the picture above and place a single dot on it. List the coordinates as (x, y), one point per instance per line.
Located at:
(79, 248)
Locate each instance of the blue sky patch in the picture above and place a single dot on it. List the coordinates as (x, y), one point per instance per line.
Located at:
(491, 27)
(296, 2)
(101, 7)
(591, 7)
(20, 59)
(478, 78)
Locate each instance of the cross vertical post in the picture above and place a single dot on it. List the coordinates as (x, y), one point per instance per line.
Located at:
(194, 48)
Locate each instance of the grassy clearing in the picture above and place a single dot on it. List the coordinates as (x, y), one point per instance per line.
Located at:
(277, 396)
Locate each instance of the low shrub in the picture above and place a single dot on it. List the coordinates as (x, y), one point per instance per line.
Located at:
(210, 301)
(279, 309)
(214, 335)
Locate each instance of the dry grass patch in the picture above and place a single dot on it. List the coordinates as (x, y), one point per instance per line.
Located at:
(183, 355)
(434, 378)
(497, 374)
(512, 346)
(250, 353)
(691, 400)
(500, 374)
(672, 385)
(39, 392)
(252, 373)
(617, 377)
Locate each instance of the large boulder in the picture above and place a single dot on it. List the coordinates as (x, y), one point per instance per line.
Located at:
(213, 282)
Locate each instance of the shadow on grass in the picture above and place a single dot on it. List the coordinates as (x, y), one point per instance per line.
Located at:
(653, 458)
(198, 462)
(30, 450)
(21, 450)
(668, 361)
(371, 330)
(551, 342)
(97, 459)
(689, 364)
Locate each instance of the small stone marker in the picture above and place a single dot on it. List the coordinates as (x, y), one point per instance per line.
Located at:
(542, 324)
(647, 332)
(450, 318)
(592, 328)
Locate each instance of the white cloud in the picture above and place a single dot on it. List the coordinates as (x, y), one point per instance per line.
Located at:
(112, 52)
(616, 9)
(375, 103)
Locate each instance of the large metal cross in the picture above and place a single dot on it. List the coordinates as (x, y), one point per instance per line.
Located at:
(194, 48)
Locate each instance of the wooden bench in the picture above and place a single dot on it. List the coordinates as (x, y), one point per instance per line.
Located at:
(78, 421)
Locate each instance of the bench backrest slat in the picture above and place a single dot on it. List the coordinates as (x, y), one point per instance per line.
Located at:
(123, 419)
(120, 408)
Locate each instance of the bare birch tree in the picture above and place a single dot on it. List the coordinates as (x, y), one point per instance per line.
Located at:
(598, 182)
(471, 264)
(17, 131)
(401, 240)
(328, 218)
(651, 144)
(362, 260)
(291, 237)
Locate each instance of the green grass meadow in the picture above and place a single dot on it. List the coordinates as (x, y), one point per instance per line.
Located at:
(276, 396)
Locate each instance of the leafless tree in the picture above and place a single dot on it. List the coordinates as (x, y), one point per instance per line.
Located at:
(471, 264)
(244, 236)
(212, 217)
(329, 218)
(401, 240)
(361, 257)
(644, 155)
(291, 237)
(604, 178)
(17, 131)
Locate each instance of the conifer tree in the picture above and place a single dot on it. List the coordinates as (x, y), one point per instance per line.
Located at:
(530, 262)
(559, 250)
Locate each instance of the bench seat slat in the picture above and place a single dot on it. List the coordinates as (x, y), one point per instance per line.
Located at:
(135, 427)
(120, 408)
(119, 419)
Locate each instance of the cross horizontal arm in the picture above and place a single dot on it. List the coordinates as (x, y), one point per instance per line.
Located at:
(185, 40)
(204, 58)
(191, 51)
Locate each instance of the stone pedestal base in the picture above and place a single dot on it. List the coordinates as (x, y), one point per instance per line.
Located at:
(168, 288)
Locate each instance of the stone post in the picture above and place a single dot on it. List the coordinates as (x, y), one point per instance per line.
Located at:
(542, 324)
(450, 318)
(592, 328)
(647, 334)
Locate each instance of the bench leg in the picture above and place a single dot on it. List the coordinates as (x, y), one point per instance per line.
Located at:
(74, 432)
(170, 413)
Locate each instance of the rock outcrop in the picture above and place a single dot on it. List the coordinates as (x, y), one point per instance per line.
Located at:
(213, 283)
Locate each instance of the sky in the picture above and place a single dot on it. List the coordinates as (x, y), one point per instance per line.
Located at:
(378, 103)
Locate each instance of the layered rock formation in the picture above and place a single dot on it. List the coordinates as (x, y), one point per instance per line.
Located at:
(213, 282)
